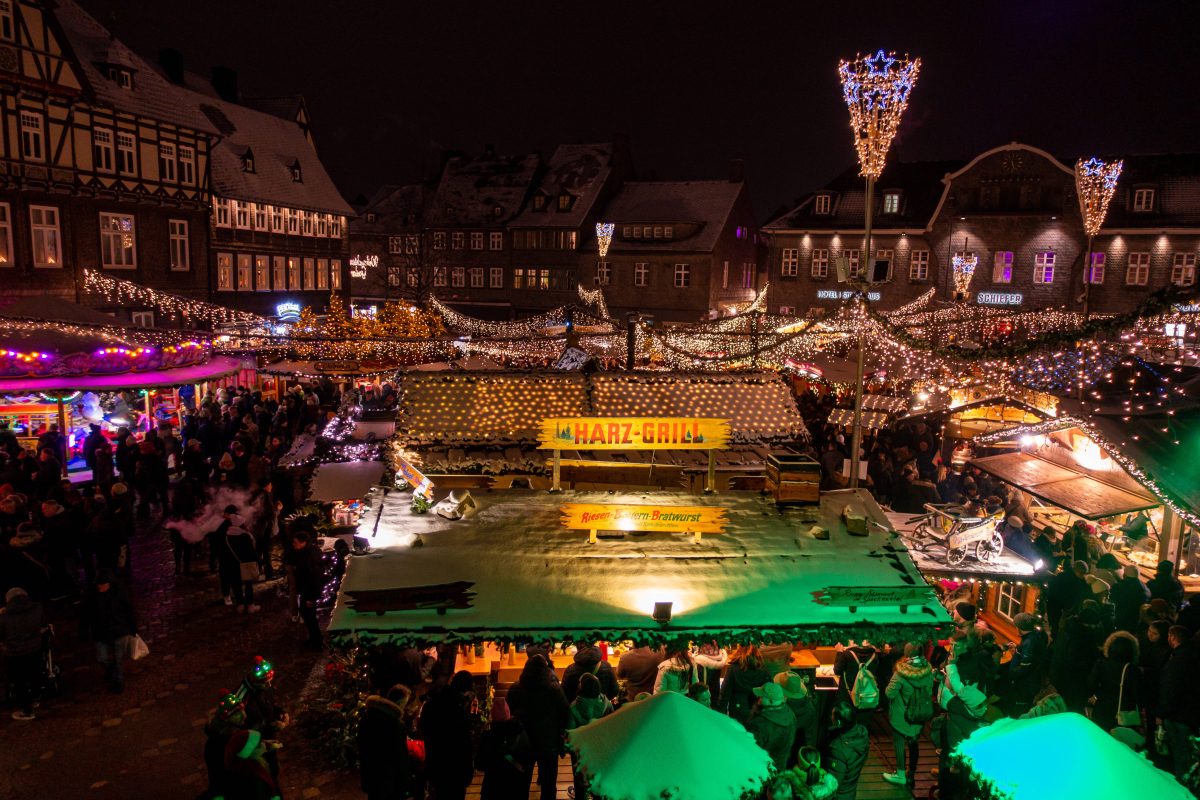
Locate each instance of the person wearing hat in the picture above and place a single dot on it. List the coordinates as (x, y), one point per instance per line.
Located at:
(910, 706)
(226, 719)
(249, 777)
(846, 748)
(1165, 586)
(773, 724)
(803, 704)
(21, 626)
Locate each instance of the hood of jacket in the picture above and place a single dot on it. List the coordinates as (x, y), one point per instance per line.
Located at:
(587, 657)
(745, 679)
(778, 715)
(589, 708)
(918, 673)
(1114, 636)
(383, 705)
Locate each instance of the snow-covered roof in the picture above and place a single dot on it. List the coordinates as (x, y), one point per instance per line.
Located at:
(490, 408)
(578, 170)
(511, 571)
(698, 210)
(396, 208)
(470, 190)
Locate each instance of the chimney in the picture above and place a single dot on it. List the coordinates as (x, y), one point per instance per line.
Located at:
(225, 83)
(171, 60)
(737, 170)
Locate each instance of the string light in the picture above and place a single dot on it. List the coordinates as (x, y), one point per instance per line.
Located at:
(125, 292)
(876, 90)
(1095, 183)
(964, 270)
(604, 235)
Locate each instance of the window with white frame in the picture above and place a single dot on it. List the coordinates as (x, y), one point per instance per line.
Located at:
(603, 273)
(260, 216)
(322, 225)
(1043, 267)
(476, 240)
(918, 265)
(412, 244)
(7, 28)
(310, 274)
(641, 273)
(439, 276)
(1002, 266)
(724, 274)
(456, 240)
(396, 245)
(748, 274)
(279, 268)
(683, 276)
(126, 153)
(458, 277)
(118, 241)
(1008, 599)
(820, 263)
(262, 273)
(225, 272)
(221, 212)
(187, 165)
(121, 77)
(241, 213)
(6, 240)
(32, 136)
(245, 273)
(787, 311)
(439, 240)
(181, 255)
(166, 162)
(496, 240)
(413, 277)
(1143, 199)
(337, 223)
(891, 202)
(292, 218)
(335, 274)
(496, 277)
(394, 273)
(293, 273)
(306, 223)
(1183, 269)
(823, 204)
(852, 265)
(789, 262)
(102, 150)
(142, 319)
(276, 219)
(1095, 273)
(476, 277)
(885, 255)
(43, 224)
(1137, 272)
(323, 274)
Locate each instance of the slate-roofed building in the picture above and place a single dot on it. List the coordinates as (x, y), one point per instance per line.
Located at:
(386, 244)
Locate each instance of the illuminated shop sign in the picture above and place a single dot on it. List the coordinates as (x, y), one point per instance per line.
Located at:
(288, 312)
(833, 294)
(360, 264)
(999, 298)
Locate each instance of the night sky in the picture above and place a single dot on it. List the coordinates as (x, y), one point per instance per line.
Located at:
(391, 84)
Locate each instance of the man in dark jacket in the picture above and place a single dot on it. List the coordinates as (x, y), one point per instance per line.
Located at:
(846, 749)
(1026, 670)
(446, 726)
(1164, 584)
(1127, 596)
(108, 619)
(21, 627)
(1065, 591)
(773, 724)
(383, 746)
(1074, 653)
(1178, 704)
(638, 668)
(588, 660)
(310, 580)
(539, 704)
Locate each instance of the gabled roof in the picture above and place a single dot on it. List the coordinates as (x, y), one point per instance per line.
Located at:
(283, 106)
(920, 184)
(579, 170)
(706, 204)
(470, 190)
(151, 95)
(392, 206)
(1175, 177)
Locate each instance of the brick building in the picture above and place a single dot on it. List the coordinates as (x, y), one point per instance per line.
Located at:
(1015, 209)
(386, 243)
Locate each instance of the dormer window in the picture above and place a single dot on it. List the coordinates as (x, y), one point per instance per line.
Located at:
(297, 176)
(565, 201)
(891, 202)
(823, 204)
(370, 216)
(539, 202)
(121, 77)
(1143, 200)
(248, 160)
(497, 212)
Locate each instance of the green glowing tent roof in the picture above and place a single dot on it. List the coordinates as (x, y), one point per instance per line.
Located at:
(1059, 757)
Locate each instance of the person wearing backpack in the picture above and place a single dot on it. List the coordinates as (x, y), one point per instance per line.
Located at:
(859, 685)
(910, 706)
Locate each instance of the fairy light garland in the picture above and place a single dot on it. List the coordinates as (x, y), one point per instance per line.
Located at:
(876, 90)
(123, 292)
(1095, 183)
(595, 299)
(964, 270)
(604, 236)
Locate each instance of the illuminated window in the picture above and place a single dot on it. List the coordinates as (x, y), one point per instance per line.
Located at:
(1096, 269)
(323, 274)
(790, 262)
(918, 266)
(221, 212)
(1008, 599)
(1137, 273)
(496, 277)
(1143, 199)
(310, 274)
(276, 219)
(279, 268)
(335, 274)
(891, 202)
(496, 240)
(262, 273)
(118, 241)
(187, 165)
(181, 257)
(1183, 269)
(603, 273)
(224, 272)
(6, 253)
(126, 153)
(683, 276)
(476, 277)
(1043, 267)
(102, 150)
(565, 201)
(1002, 266)
(476, 240)
(641, 273)
(820, 263)
(32, 144)
(166, 162)
(748, 274)
(823, 204)
(245, 273)
(293, 273)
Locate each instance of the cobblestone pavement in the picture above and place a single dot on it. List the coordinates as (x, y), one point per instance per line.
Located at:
(148, 741)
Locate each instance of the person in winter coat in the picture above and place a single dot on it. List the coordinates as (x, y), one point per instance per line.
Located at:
(1074, 653)
(773, 724)
(1026, 670)
(589, 661)
(1127, 596)
(506, 761)
(846, 749)
(1164, 584)
(675, 673)
(848, 662)
(226, 719)
(539, 704)
(309, 572)
(383, 746)
(242, 550)
(639, 669)
(746, 673)
(264, 711)
(1115, 679)
(910, 706)
(1064, 592)
(1178, 704)
(220, 557)
(21, 626)
(589, 705)
(446, 725)
(963, 694)
(1153, 654)
(710, 660)
(108, 619)
(249, 775)
(804, 707)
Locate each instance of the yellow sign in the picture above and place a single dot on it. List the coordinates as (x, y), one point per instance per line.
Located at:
(633, 433)
(664, 519)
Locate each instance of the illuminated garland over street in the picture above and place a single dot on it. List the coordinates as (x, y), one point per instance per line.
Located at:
(120, 291)
(876, 90)
(595, 299)
(1095, 183)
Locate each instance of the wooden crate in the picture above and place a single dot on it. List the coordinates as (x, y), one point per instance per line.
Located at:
(793, 478)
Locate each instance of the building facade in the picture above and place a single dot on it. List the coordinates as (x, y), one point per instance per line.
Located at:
(1012, 209)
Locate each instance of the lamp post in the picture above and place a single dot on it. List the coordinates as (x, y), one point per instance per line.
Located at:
(876, 90)
(1095, 183)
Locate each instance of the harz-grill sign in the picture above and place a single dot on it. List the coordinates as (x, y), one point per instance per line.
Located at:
(633, 433)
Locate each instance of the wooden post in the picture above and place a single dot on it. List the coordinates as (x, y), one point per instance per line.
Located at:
(711, 481)
(593, 536)
(62, 430)
(557, 472)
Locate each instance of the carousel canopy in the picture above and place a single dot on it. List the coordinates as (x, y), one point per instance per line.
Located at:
(47, 307)
(1055, 757)
(512, 571)
(669, 746)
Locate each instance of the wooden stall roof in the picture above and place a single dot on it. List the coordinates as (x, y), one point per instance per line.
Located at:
(1077, 492)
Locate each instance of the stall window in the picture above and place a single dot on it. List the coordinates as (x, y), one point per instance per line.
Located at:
(1009, 597)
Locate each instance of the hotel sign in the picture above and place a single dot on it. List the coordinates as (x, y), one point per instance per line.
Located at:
(834, 294)
(654, 518)
(999, 298)
(633, 433)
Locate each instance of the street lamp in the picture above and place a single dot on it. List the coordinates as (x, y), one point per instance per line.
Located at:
(1095, 183)
(876, 90)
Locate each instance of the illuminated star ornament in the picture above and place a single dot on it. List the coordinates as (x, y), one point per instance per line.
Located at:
(876, 90)
(964, 270)
(1095, 183)
(604, 234)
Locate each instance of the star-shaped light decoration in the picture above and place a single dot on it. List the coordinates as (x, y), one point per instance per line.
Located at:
(604, 234)
(1095, 183)
(880, 65)
(876, 90)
